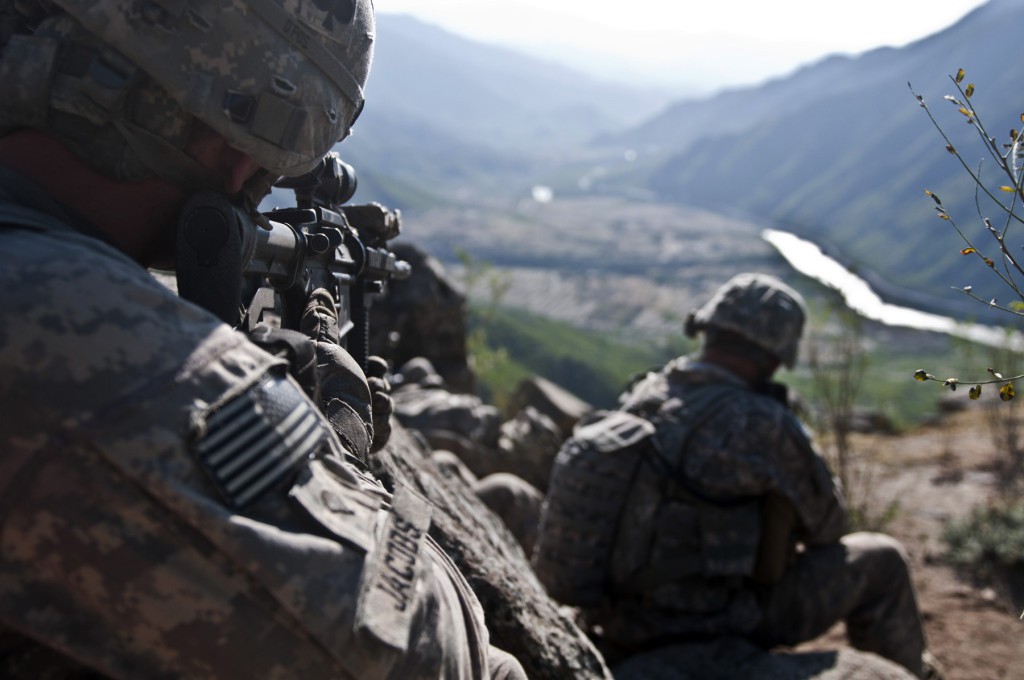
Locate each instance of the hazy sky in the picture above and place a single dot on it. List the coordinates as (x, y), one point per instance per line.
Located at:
(707, 44)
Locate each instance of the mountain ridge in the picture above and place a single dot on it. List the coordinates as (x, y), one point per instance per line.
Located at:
(837, 151)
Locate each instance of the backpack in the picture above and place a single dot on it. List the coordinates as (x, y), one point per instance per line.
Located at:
(589, 484)
(592, 479)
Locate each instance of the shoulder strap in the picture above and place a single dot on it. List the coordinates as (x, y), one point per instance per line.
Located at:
(708, 400)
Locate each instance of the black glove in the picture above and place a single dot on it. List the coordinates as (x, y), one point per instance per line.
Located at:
(344, 395)
(296, 348)
(382, 405)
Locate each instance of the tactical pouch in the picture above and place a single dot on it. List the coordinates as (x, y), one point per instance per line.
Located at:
(729, 537)
(778, 518)
(590, 481)
(696, 539)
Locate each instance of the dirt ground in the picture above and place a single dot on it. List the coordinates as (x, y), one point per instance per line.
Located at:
(937, 473)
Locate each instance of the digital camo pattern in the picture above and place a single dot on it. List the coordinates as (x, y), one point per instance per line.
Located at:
(282, 81)
(747, 445)
(115, 546)
(695, 516)
(760, 308)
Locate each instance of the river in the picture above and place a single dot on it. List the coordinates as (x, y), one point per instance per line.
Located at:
(808, 259)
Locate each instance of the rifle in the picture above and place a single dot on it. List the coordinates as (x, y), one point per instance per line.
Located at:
(248, 271)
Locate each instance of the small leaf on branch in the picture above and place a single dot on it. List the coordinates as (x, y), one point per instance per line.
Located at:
(966, 112)
(934, 197)
(920, 375)
(991, 303)
(951, 383)
(1006, 392)
(1013, 134)
(990, 263)
(951, 98)
(975, 392)
(960, 75)
(943, 216)
(967, 289)
(949, 148)
(995, 374)
(968, 251)
(1007, 189)
(970, 90)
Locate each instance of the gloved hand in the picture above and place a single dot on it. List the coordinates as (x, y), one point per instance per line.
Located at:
(344, 394)
(382, 404)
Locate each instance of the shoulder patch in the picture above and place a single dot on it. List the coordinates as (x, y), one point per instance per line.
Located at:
(256, 439)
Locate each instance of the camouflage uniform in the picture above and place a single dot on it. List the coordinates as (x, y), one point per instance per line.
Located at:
(140, 536)
(700, 509)
(697, 513)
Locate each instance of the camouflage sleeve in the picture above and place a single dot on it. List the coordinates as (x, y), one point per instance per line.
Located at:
(754, 446)
(815, 495)
(171, 504)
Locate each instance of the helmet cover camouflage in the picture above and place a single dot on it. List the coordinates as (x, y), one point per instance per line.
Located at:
(281, 80)
(759, 308)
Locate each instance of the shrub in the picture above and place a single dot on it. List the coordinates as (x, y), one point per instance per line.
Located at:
(990, 537)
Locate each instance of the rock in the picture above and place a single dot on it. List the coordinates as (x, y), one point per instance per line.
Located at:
(527, 446)
(423, 315)
(871, 421)
(733, 658)
(554, 401)
(461, 423)
(522, 619)
(516, 502)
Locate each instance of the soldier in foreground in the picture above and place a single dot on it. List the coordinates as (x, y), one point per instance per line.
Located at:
(701, 509)
(174, 504)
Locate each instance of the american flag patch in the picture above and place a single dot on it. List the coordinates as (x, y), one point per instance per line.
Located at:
(258, 438)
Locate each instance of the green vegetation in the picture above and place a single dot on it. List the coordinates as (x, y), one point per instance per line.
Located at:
(997, 204)
(886, 387)
(990, 538)
(509, 344)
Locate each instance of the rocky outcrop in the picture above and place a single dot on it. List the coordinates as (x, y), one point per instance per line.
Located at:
(563, 407)
(522, 619)
(423, 316)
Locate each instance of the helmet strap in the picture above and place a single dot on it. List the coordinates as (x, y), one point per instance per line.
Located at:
(168, 161)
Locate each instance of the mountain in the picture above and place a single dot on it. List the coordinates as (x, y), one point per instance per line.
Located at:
(840, 152)
(445, 115)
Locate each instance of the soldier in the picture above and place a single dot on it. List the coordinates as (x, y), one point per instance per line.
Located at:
(173, 503)
(730, 523)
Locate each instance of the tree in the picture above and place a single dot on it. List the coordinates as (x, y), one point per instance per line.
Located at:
(1004, 197)
(837, 357)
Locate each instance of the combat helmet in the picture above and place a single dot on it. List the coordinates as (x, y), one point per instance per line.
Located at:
(758, 307)
(281, 80)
